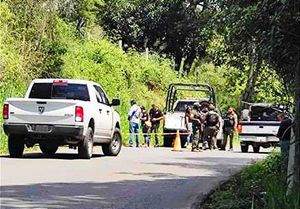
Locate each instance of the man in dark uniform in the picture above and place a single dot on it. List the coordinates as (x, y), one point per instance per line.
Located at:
(156, 116)
(284, 135)
(229, 127)
(211, 127)
(196, 125)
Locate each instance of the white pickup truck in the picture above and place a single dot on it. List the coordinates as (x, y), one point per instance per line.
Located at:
(58, 112)
(259, 127)
(175, 109)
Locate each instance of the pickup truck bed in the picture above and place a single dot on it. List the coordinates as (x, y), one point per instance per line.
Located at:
(258, 133)
(261, 129)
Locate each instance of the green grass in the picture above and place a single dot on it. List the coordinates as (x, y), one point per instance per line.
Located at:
(3, 141)
(258, 186)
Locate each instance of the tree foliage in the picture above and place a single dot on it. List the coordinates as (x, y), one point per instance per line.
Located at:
(272, 27)
(174, 28)
(269, 27)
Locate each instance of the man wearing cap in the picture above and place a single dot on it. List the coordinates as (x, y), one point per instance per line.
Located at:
(156, 116)
(212, 126)
(134, 115)
(196, 125)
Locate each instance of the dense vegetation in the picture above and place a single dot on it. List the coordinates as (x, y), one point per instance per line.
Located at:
(255, 187)
(63, 39)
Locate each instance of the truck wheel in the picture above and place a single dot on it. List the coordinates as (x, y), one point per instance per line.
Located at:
(48, 148)
(256, 149)
(114, 147)
(168, 141)
(85, 147)
(244, 148)
(15, 146)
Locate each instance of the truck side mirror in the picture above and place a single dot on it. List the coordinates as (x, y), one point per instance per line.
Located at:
(115, 102)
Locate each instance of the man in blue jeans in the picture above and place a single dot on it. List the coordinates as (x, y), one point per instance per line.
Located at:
(134, 116)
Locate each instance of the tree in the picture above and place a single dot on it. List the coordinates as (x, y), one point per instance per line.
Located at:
(174, 28)
(78, 12)
(275, 26)
(34, 27)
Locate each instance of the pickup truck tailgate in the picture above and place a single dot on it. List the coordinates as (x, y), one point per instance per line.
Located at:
(41, 111)
(175, 121)
(266, 128)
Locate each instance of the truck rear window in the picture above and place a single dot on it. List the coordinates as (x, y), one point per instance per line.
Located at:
(259, 113)
(181, 106)
(59, 91)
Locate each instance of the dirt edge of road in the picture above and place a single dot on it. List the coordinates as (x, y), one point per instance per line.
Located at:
(203, 198)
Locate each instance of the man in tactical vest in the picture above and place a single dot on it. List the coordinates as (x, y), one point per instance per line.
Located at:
(229, 126)
(203, 113)
(196, 125)
(212, 126)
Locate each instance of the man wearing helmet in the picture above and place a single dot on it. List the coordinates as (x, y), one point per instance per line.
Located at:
(212, 126)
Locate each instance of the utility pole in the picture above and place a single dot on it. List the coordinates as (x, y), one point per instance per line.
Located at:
(120, 44)
(147, 53)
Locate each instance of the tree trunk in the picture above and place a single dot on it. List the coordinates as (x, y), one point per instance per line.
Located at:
(178, 59)
(297, 128)
(252, 78)
(188, 64)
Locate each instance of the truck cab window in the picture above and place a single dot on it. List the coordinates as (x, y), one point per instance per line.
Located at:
(101, 94)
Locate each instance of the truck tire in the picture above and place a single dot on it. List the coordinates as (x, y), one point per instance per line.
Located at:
(48, 148)
(168, 141)
(114, 147)
(245, 148)
(15, 146)
(85, 147)
(256, 149)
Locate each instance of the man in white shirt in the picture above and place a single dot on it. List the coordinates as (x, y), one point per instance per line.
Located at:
(134, 115)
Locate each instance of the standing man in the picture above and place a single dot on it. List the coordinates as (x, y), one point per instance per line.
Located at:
(145, 125)
(229, 127)
(134, 115)
(155, 117)
(203, 114)
(188, 124)
(284, 135)
(196, 125)
(211, 127)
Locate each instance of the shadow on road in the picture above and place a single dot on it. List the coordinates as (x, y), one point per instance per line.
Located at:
(213, 164)
(170, 183)
(61, 156)
(160, 193)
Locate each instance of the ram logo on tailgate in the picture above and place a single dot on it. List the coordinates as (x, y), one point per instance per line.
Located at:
(41, 109)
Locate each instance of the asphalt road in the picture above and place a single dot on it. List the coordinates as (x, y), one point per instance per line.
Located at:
(137, 178)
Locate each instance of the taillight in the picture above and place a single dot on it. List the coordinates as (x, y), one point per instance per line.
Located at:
(239, 128)
(5, 111)
(60, 82)
(79, 114)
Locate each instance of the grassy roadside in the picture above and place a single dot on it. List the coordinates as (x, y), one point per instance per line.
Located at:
(258, 186)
